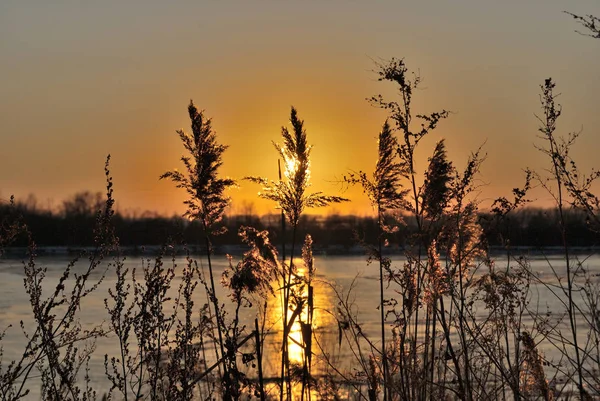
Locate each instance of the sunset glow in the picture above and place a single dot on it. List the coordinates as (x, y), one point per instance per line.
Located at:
(103, 79)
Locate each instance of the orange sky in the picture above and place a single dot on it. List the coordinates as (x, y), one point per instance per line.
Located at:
(81, 80)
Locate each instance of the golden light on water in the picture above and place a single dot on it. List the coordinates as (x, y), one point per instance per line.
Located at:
(322, 319)
(295, 346)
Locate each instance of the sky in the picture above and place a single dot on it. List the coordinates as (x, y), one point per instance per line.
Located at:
(82, 79)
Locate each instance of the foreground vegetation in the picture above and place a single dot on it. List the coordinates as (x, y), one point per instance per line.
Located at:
(460, 325)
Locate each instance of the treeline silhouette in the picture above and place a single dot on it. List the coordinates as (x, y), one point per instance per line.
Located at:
(72, 226)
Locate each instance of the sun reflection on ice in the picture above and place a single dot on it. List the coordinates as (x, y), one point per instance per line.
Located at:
(321, 319)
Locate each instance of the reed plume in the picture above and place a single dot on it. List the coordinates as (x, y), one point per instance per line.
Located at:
(290, 195)
(206, 191)
(385, 193)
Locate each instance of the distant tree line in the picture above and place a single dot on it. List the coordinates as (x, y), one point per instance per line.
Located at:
(72, 226)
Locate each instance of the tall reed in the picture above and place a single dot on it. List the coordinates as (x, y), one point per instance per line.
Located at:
(290, 195)
(207, 200)
(386, 194)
